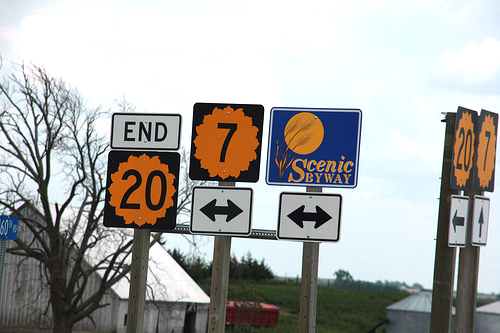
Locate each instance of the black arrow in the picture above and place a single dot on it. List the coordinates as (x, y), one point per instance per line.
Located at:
(299, 216)
(231, 210)
(457, 221)
(481, 222)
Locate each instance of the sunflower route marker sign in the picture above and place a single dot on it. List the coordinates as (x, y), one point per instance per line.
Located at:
(486, 151)
(142, 190)
(464, 149)
(474, 150)
(226, 142)
(314, 147)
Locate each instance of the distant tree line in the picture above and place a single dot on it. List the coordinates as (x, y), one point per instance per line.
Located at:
(247, 268)
(344, 280)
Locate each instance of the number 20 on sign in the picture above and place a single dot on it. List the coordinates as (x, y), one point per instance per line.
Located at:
(474, 150)
(142, 190)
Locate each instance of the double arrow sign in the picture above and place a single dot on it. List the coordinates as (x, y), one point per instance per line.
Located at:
(302, 216)
(221, 210)
(230, 211)
(322, 209)
(459, 219)
(299, 216)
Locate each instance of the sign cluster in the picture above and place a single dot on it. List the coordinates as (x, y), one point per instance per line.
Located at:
(473, 169)
(142, 183)
(307, 147)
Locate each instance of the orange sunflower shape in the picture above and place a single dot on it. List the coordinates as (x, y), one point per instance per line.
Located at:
(486, 152)
(226, 142)
(464, 145)
(142, 190)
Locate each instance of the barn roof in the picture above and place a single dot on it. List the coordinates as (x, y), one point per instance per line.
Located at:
(493, 307)
(167, 281)
(419, 302)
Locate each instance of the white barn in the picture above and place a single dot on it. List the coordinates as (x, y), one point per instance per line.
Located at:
(412, 314)
(488, 318)
(174, 301)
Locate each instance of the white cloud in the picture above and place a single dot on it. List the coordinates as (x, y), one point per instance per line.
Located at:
(475, 63)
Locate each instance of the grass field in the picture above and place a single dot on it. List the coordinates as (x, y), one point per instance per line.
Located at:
(342, 311)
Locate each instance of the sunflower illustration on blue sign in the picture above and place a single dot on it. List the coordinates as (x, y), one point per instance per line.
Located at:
(314, 147)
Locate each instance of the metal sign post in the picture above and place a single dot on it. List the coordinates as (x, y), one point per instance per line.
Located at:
(141, 191)
(316, 148)
(220, 280)
(445, 257)
(470, 151)
(479, 162)
(309, 283)
(138, 281)
(468, 268)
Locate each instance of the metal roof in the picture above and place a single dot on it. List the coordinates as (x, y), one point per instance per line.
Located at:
(493, 307)
(167, 281)
(419, 302)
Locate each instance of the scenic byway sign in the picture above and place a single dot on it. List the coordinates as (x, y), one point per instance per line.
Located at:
(142, 190)
(226, 142)
(309, 216)
(145, 131)
(458, 220)
(221, 210)
(314, 147)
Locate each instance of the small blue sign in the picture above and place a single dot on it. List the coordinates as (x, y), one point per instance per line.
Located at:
(8, 227)
(314, 147)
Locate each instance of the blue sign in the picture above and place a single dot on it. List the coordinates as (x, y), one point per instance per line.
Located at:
(8, 227)
(314, 147)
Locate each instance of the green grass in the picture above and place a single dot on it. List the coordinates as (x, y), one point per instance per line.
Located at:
(338, 311)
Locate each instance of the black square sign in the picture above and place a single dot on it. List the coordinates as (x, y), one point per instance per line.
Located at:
(226, 142)
(141, 190)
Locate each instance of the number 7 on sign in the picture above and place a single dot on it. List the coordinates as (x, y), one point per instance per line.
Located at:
(226, 142)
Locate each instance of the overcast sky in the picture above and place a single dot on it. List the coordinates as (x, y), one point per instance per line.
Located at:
(402, 63)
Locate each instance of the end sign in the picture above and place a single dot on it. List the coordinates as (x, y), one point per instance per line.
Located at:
(145, 131)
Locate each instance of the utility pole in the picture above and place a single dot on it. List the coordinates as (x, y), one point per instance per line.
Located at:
(468, 268)
(444, 264)
(220, 280)
(309, 282)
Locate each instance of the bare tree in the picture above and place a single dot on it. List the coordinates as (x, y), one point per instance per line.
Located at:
(53, 160)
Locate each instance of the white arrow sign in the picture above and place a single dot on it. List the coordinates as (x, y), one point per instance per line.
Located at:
(480, 220)
(309, 217)
(221, 211)
(458, 221)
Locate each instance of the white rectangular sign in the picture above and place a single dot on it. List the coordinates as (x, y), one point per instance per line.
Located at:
(221, 210)
(480, 220)
(459, 211)
(313, 217)
(145, 131)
